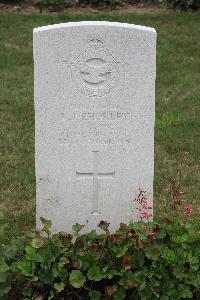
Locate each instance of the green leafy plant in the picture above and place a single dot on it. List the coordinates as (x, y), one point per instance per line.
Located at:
(55, 2)
(182, 4)
(159, 259)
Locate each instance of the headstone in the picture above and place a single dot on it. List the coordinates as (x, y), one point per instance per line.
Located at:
(94, 121)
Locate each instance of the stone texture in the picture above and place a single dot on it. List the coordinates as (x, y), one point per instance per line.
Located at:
(94, 121)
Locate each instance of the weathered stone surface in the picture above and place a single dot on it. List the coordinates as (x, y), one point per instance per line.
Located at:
(94, 113)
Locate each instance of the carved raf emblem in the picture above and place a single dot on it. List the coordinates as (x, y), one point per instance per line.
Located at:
(95, 72)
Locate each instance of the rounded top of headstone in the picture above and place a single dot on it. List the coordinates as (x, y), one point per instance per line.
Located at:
(93, 23)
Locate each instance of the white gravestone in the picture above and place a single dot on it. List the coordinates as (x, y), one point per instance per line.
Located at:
(94, 121)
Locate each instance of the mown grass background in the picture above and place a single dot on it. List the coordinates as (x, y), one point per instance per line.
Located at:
(177, 107)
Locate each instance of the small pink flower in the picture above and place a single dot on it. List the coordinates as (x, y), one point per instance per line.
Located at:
(131, 234)
(145, 207)
(145, 215)
(144, 203)
(151, 234)
(144, 200)
(188, 209)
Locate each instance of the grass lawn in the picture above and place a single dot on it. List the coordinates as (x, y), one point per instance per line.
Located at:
(177, 107)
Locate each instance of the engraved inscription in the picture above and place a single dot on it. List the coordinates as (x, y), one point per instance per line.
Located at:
(96, 116)
(95, 138)
(107, 127)
(95, 72)
(95, 176)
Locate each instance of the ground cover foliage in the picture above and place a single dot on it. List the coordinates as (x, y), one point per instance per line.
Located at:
(155, 260)
(180, 4)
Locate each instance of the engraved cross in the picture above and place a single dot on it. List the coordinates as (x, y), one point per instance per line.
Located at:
(95, 176)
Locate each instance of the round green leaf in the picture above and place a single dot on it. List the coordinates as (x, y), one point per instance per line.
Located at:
(77, 279)
(94, 295)
(26, 267)
(59, 287)
(30, 253)
(95, 274)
